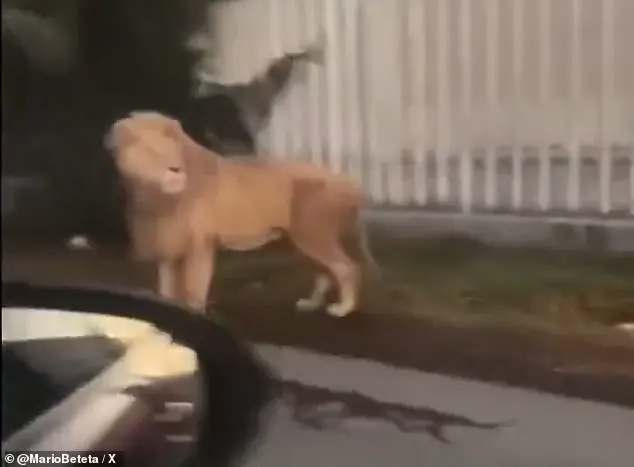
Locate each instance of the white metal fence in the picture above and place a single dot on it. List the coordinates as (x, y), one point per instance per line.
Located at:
(463, 105)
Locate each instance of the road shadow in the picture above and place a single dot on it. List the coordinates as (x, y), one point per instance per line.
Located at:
(326, 409)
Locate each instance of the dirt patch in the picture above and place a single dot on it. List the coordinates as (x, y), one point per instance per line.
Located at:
(575, 366)
(424, 329)
(463, 277)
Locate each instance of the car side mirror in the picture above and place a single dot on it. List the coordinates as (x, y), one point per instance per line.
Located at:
(92, 369)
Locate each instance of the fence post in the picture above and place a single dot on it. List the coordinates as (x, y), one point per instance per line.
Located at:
(443, 111)
(466, 59)
(607, 95)
(492, 34)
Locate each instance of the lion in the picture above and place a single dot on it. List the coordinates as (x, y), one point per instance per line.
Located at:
(183, 202)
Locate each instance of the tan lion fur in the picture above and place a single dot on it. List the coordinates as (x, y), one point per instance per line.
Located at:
(183, 202)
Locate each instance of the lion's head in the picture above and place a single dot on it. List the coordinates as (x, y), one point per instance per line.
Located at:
(150, 152)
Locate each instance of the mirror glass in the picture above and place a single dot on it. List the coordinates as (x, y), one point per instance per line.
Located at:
(59, 366)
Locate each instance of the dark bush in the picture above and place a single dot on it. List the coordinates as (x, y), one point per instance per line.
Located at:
(126, 54)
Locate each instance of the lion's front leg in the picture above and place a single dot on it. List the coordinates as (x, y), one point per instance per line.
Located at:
(346, 274)
(197, 272)
(167, 280)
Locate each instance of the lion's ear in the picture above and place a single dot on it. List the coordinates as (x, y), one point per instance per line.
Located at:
(174, 129)
(119, 136)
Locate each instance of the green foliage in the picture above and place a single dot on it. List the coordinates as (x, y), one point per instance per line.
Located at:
(466, 277)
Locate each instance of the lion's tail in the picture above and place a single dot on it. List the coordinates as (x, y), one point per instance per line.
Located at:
(363, 243)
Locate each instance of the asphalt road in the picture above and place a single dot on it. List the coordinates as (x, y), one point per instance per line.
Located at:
(407, 418)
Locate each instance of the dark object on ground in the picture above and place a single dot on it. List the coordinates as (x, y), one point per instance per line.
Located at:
(308, 402)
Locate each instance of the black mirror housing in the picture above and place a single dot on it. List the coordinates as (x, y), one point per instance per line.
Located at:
(238, 386)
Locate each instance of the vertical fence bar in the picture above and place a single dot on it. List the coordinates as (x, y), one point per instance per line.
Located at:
(492, 23)
(442, 109)
(607, 94)
(361, 90)
(294, 39)
(267, 137)
(574, 175)
(544, 189)
(407, 102)
(369, 59)
(225, 58)
(417, 31)
(466, 59)
(518, 95)
(312, 19)
(277, 125)
(333, 71)
(353, 116)
(393, 93)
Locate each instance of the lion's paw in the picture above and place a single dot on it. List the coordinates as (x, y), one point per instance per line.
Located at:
(306, 305)
(338, 310)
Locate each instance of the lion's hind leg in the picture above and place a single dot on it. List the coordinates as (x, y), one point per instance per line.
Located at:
(196, 274)
(318, 296)
(346, 274)
(320, 212)
(341, 267)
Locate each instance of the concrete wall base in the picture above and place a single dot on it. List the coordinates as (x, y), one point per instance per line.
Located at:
(579, 234)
